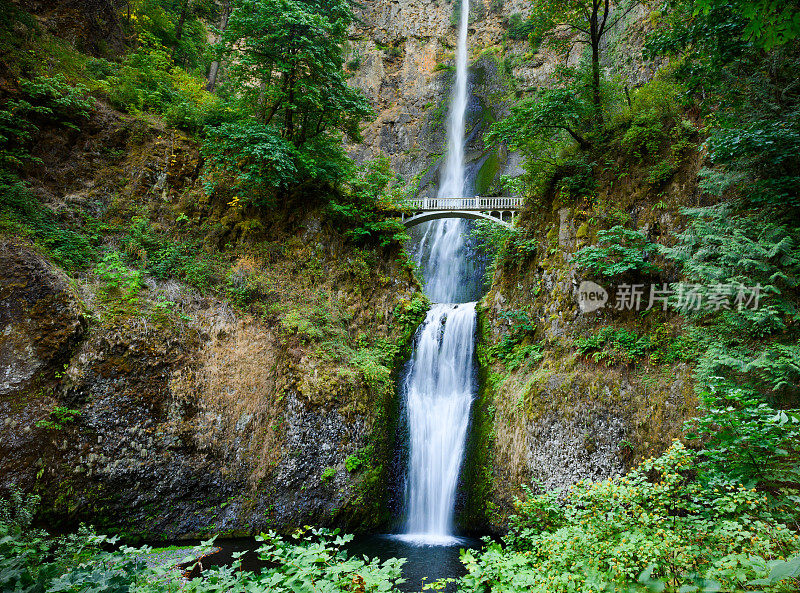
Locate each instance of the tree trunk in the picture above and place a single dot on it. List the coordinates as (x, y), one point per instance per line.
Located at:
(179, 28)
(213, 71)
(594, 38)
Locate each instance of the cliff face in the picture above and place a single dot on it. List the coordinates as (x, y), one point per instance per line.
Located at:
(170, 411)
(402, 54)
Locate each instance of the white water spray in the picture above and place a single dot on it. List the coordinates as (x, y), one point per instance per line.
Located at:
(439, 384)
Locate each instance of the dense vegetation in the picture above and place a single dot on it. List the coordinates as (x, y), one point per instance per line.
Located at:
(722, 516)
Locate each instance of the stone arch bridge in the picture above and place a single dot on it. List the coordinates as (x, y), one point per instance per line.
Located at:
(502, 210)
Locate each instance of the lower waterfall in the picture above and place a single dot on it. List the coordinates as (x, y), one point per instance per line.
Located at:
(439, 391)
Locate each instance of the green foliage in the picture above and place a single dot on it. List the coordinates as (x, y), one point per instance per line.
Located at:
(619, 251)
(577, 178)
(21, 215)
(645, 135)
(369, 204)
(313, 560)
(287, 68)
(753, 347)
(516, 348)
(359, 459)
(327, 474)
(496, 5)
(165, 257)
(119, 281)
(659, 520)
(745, 439)
(521, 29)
(548, 114)
(247, 283)
(59, 416)
(768, 23)
(255, 156)
(44, 99)
(614, 346)
(408, 315)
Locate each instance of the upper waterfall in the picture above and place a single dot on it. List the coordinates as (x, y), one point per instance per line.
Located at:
(452, 184)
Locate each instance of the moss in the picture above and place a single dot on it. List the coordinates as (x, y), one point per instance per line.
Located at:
(477, 475)
(487, 173)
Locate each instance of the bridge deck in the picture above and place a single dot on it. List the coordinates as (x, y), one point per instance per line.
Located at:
(478, 203)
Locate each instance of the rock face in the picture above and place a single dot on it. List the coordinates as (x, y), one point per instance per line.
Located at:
(401, 57)
(40, 319)
(209, 421)
(402, 54)
(178, 414)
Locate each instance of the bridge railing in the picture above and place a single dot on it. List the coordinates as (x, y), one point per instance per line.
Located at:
(474, 203)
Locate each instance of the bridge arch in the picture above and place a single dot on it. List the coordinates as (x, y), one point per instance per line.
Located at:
(435, 215)
(500, 210)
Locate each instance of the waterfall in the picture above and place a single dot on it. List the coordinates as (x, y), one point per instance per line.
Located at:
(439, 382)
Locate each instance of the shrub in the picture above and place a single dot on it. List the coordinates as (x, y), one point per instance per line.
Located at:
(247, 282)
(518, 27)
(313, 560)
(514, 349)
(659, 524)
(369, 206)
(615, 346)
(119, 281)
(59, 416)
(327, 474)
(619, 251)
(645, 135)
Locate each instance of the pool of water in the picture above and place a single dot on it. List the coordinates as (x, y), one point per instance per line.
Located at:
(425, 562)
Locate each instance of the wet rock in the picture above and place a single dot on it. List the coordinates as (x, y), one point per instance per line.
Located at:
(40, 320)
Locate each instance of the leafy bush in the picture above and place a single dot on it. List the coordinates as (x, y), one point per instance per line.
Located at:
(619, 251)
(314, 560)
(254, 156)
(660, 520)
(164, 257)
(519, 28)
(327, 474)
(515, 348)
(615, 346)
(369, 205)
(645, 135)
(577, 176)
(119, 281)
(43, 99)
(247, 282)
(745, 439)
(23, 216)
(359, 459)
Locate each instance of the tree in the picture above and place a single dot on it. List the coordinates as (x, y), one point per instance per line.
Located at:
(288, 97)
(548, 112)
(286, 60)
(590, 21)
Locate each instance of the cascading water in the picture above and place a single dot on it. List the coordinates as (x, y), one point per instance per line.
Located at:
(439, 384)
